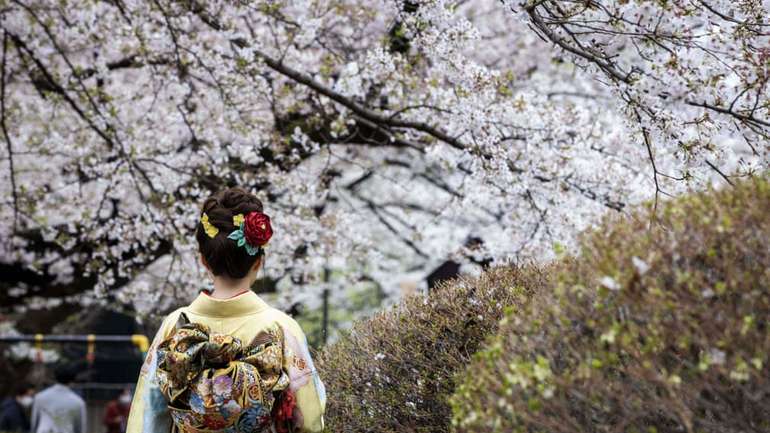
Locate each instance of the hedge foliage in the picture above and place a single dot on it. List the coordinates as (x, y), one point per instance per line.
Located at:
(649, 330)
(395, 371)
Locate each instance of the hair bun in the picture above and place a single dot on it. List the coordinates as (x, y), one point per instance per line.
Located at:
(222, 255)
(235, 198)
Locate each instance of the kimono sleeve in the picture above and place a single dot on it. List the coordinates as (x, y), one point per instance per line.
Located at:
(305, 400)
(149, 411)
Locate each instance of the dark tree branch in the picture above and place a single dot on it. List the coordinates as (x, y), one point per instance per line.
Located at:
(655, 173)
(715, 168)
(729, 111)
(606, 65)
(304, 79)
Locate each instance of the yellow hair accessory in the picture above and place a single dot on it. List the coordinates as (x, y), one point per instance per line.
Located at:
(238, 219)
(207, 227)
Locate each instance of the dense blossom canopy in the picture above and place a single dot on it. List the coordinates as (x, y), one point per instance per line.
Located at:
(383, 136)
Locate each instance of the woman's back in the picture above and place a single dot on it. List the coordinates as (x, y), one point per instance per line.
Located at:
(232, 364)
(244, 317)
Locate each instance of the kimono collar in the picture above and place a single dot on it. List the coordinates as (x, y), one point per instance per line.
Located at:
(240, 305)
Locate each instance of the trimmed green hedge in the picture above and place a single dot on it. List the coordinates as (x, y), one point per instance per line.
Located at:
(648, 330)
(395, 370)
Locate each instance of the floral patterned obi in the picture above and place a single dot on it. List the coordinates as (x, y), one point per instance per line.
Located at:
(213, 383)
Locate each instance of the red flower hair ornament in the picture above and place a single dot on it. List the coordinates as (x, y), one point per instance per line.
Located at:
(253, 233)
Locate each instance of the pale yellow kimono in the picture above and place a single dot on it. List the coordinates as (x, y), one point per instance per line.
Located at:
(243, 317)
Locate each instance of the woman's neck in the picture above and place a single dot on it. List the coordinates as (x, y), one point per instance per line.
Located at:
(226, 288)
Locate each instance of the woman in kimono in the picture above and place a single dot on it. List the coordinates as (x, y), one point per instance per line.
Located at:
(228, 362)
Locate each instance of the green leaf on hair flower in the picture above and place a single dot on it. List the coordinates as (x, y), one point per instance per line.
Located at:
(235, 235)
(241, 241)
(251, 250)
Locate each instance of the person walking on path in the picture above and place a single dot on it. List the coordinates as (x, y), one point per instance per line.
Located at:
(229, 361)
(14, 411)
(58, 409)
(116, 412)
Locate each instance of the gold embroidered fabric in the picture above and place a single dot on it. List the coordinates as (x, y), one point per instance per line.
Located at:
(214, 382)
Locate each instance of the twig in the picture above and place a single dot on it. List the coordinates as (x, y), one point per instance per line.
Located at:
(724, 176)
(8, 137)
(648, 144)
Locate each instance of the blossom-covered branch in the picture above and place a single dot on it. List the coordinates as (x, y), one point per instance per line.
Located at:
(692, 73)
(383, 136)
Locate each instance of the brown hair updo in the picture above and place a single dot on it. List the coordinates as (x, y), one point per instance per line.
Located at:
(224, 256)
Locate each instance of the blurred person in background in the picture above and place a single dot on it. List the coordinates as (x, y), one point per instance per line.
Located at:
(14, 411)
(116, 413)
(58, 409)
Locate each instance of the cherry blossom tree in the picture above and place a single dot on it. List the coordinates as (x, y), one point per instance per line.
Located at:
(383, 136)
(693, 74)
